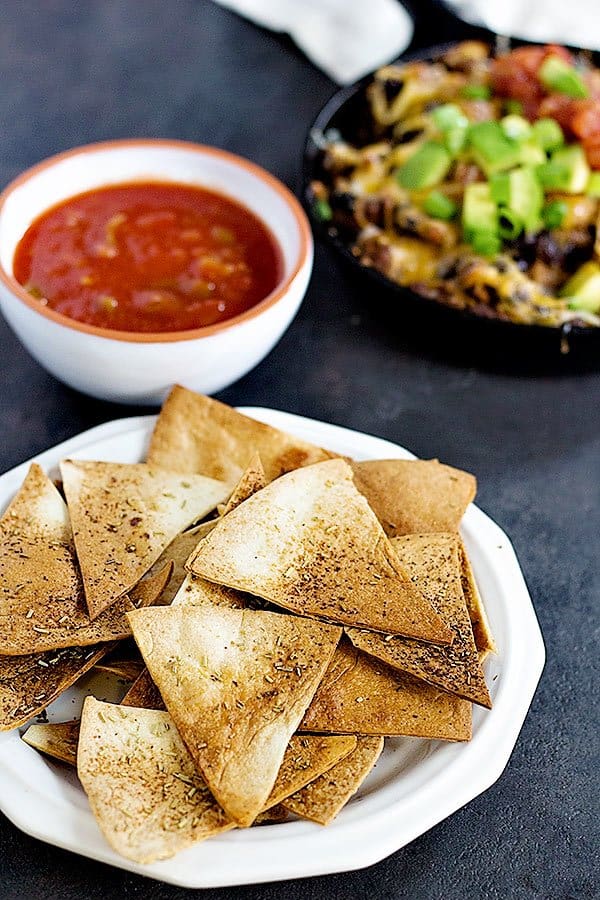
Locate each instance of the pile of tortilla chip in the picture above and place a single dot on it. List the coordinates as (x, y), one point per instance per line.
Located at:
(275, 610)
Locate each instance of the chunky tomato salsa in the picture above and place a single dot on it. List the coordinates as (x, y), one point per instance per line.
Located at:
(148, 257)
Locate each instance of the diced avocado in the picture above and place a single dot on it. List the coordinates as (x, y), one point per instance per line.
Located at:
(583, 288)
(449, 115)
(557, 75)
(455, 139)
(479, 213)
(517, 128)
(426, 167)
(575, 162)
(593, 185)
(526, 197)
(492, 149)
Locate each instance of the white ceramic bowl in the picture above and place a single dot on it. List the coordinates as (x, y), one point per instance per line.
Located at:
(140, 368)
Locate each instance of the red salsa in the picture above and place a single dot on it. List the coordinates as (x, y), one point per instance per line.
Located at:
(148, 257)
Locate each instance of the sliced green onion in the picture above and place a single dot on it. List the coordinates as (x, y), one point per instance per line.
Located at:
(476, 92)
(552, 175)
(548, 134)
(553, 213)
(486, 243)
(510, 225)
(513, 107)
(427, 166)
(449, 115)
(593, 185)
(439, 206)
(557, 75)
(493, 151)
(455, 139)
(322, 210)
(515, 127)
(500, 188)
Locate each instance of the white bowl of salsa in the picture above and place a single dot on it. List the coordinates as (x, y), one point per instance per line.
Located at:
(128, 266)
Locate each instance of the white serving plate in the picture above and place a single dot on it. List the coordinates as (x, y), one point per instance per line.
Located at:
(415, 784)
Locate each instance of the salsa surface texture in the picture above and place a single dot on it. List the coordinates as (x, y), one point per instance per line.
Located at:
(148, 257)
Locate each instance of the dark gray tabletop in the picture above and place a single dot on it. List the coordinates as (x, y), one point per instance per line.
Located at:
(72, 73)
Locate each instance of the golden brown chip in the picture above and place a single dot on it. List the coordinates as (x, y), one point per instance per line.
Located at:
(197, 434)
(124, 516)
(143, 787)
(55, 739)
(413, 496)
(198, 592)
(178, 553)
(29, 683)
(432, 561)
(310, 542)
(127, 669)
(322, 799)
(360, 695)
(484, 638)
(42, 606)
(143, 693)
(307, 757)
(253, 480)
(237, 683)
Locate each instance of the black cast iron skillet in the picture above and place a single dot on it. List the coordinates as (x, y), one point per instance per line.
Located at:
(461, 334)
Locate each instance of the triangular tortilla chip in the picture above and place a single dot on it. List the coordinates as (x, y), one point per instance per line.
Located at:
(198, 592)
(433, 562)
(42, 605)
(413, 496)
(29, 683)
(360, 695)
(310, 542)
(253, 480)
(307, 757)
(124, 516)
(55, 739)
(484, 638)
(143, 787)
(126, 669)
(194, 433)
(143, 693)
(178, 553)
(237, 683)
(322, 799)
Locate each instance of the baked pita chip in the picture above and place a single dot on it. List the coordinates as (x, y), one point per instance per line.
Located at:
(42, 606)
(237, 683)
(143, 693)
(307, 757)
(310, 542)
(29, 683)
(55, 739)
(178, 553)
(194, 433)
(124, 516)
(143, 787)
(413, 496)
(322, 799)
(253, 480)
(198, 592)
(126, 669)
(482, 632)
(361, 695)
(432, 561)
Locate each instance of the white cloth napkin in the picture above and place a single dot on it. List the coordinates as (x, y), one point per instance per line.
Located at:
(344, 38)
(575, 22)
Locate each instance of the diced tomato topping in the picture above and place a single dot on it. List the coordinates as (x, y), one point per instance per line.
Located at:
(586, 118)
(591, 145)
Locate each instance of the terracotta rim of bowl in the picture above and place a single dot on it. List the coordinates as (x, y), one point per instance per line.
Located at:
(168, 336)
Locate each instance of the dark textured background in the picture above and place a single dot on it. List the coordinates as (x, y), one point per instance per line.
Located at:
(72, 73)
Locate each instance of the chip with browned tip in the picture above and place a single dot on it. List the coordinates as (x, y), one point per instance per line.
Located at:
(310, 542)
(433, 562)
(143, 787)
(322, 799)
(307, 757)
(413, 496)
(55, 739)
(482, 631)
(361, 695)
(124, 516)
(253, 480)
(237, 683)
(195, 433)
